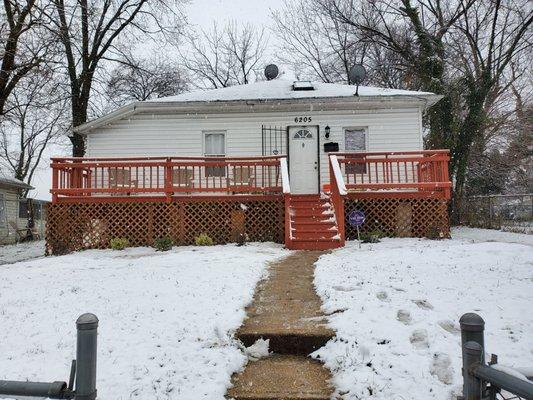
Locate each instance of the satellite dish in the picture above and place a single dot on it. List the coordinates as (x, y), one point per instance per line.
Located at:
(357, 74)
(271, 71)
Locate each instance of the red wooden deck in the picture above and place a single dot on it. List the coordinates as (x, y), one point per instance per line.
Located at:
(366, 176)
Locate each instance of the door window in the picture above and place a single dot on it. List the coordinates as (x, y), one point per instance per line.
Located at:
(303, 134)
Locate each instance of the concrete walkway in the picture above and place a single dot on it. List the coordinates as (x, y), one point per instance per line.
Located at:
(286, 310)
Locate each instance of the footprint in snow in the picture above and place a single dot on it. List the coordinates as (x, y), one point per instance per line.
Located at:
(383, 296)
(424, 304)
(441, 367)
(419, 339)
(341, 288)
(449, 326)
(404, 317)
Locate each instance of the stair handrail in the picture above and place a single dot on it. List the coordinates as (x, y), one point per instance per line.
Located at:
(337, 191)
(284, 175)
(286, 187)
(338, 175)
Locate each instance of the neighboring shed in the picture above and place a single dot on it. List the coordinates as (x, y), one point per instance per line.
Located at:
(13, 209)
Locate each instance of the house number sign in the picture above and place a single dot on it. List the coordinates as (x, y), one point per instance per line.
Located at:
(302, 119)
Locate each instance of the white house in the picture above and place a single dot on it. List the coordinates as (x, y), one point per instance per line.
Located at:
(263, 118)
(274, 160)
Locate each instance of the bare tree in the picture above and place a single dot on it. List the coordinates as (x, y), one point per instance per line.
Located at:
(225, 57)
(89, 30)
(140, 79)
(416, 32)
(23, 47)
(462, 50)
(315, 43)
(495, 34)
(35, 121)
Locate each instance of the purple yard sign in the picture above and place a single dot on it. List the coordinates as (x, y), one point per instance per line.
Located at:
(356, 218)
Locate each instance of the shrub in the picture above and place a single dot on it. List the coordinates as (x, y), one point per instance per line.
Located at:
(203, 240)
(372, 237)
(119, 243)
(435, 232)
(163, 244)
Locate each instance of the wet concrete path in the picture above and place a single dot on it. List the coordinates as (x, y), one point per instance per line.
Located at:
(286, 310)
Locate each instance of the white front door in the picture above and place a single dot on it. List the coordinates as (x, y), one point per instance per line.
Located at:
(303, 159)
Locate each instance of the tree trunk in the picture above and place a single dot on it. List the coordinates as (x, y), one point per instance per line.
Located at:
(79, 117)
(470, 130)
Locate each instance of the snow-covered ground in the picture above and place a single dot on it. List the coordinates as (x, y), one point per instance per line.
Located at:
(396, 305)
(21, 251)
(165, 318)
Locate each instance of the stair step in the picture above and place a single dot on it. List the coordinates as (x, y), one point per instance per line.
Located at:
(296, 343)
(282, 377)
(314, 224)
(311, 206)
(313, 244)
(326, 213)
(318, 218)
(314, 235)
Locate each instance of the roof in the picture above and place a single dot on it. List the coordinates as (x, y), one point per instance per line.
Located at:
(278, 89)
(9, 181)
(273, 94)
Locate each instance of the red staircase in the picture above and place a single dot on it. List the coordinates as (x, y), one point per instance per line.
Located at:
(312, 223)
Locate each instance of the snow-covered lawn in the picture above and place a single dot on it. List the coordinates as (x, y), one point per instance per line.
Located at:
(21, 251)
(396, 305)
(165, 318)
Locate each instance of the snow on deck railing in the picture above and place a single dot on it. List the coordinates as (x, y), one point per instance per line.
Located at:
(338, 175)
(284, 175)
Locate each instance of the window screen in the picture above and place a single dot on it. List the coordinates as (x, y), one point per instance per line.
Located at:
(355, 140)
(215, 146)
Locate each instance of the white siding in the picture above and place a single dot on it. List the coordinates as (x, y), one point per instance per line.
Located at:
(181, 135)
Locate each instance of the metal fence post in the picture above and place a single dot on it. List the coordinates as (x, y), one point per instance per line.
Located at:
(472, 329)
(87, 327)
(473, 356)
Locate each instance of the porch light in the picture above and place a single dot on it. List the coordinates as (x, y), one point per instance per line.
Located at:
(327, 129)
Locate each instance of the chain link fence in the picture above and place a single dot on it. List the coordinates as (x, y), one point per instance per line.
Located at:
(509, 212)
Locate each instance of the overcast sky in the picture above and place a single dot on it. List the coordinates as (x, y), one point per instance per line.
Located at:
(202, 14)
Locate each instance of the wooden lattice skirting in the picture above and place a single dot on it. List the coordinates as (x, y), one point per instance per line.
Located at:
(415, 217)
(77, 226)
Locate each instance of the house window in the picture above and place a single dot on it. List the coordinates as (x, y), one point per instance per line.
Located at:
(2, 210)
(215, 146)
(355, 140)
(24, 211)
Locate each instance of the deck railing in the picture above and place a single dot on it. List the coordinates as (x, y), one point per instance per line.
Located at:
(78, 178)
(415, 171)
